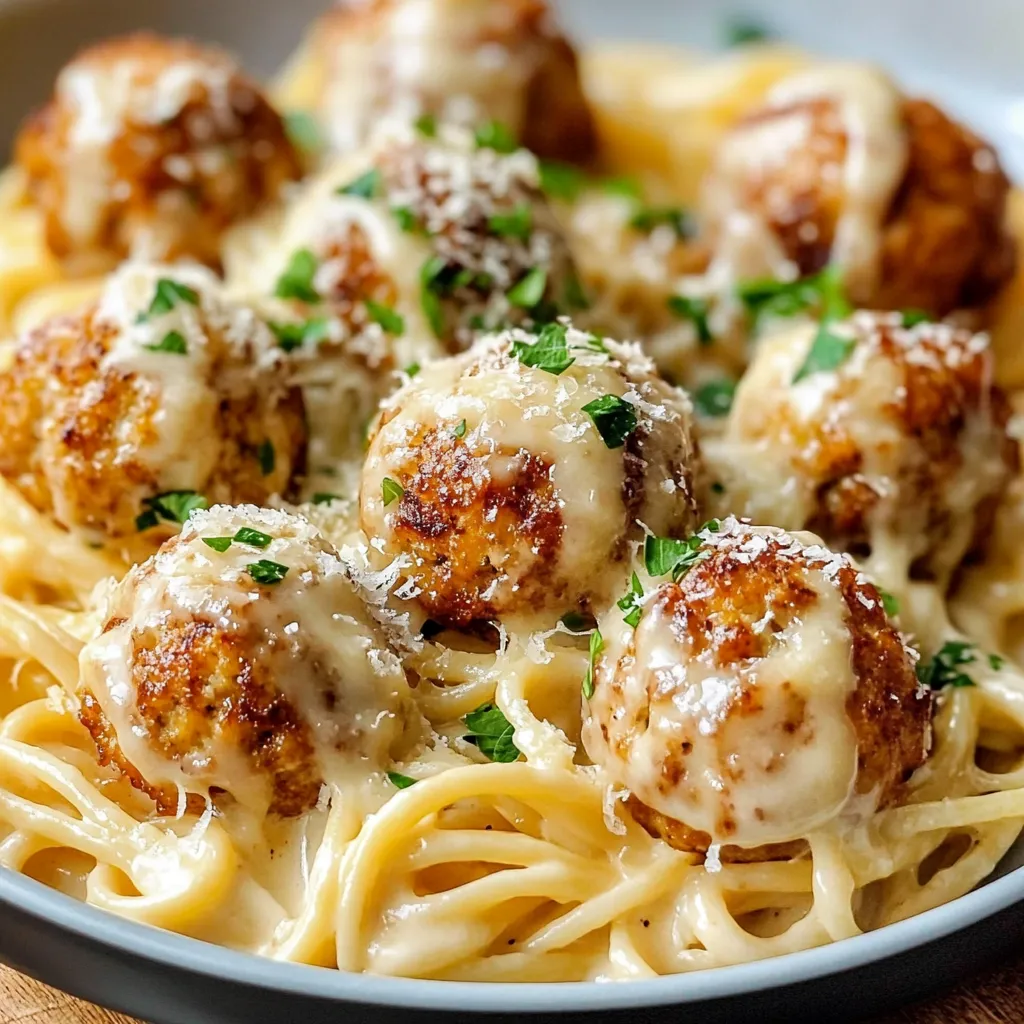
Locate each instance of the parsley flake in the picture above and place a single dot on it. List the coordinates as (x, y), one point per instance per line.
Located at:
(517, 223)
(325, 498)
(291, 336)
(220, 544)
(171, 506)
(267, 457)
(407, 220)
(890, 603)
(432, 286)
(561, 181)
(254, 538)
(822, 291)
(266, 572)
(630, 604)
(303, 131)
(388, 319)
(596, 647)
(167, 295)
(529, 289)
(412, 370)
(665, 556)
(391, 490)
(715, 397)
(648, 218)
(296, 280)
(742, 32)
(497, 136)
(614, 418)
(550, 352)
(173, 342)
(828, 352)
(944, 669)
(624, 187)
(459, 430)
(366, 186)
(400, 781)
(913, 317)
(426, 125)
(695, 310)
(492, 732)
(996, 662)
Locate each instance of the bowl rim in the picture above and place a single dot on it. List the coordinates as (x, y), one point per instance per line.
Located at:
(119, 935)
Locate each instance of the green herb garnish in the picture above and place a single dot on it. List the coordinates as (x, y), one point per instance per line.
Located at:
(827, 352)
(624, 186)
(220, 544)
(426, 125)
(167, 295)
(407, 220)
(296, 281)
(890, 603)
(822, 291)
(742, 32)
(390, 490)
(517, 223)
(255, 538)
(459, 430)
(266, 572)
(561, 181)
(715, 397)
(366, 186)
(665, 556)
(325, 498)
(291, 336)
(432, 286)
(303, 131)
(400, 781)
(529, 289)
(913, 317)
(696, 311)
(412, 370)
(491, 731)
(173, 342)
(494, 135)
(944, 669)
(630, 604)
(614, 418)
(550, 352)
(267, 458)
(996, 662)
(596, 647)
(389, 320)
(650, 217)
(171, 506)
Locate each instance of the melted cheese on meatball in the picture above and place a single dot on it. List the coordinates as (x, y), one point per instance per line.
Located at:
(466, 62)
(512, 504)
(163, 386)
(757, 696)
(901, 448)
(249, 665)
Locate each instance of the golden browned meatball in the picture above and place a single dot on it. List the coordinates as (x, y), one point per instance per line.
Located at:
(761, 694)
(241, 659)
(469, 61)
(511, 480)
(159, 398)
(882, 438)
(839, 167)
(427, 239)
(152, 147)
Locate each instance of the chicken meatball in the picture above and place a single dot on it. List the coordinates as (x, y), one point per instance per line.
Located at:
(837, 166)
(511, 481)
(468, 61)
(762, 694)
(158, 398)
(152, 147)
(428, 239)
(885, 439)
(241, 658)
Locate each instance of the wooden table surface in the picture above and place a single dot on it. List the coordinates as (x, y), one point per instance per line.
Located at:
(995, 998)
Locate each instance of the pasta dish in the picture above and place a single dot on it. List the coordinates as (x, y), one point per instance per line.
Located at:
(477, 510)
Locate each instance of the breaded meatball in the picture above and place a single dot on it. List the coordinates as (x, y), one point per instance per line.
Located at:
(762, 694)
(468, 61)
(241, 659)
(426, 239)
(152, 147)
(512, 480)
(159, 397)
(837, 166)
(886, 440)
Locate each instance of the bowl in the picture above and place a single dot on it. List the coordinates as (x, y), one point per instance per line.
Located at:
(965, 55)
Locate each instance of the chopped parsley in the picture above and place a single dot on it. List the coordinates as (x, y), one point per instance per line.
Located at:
(325, 498)
(828, 352)
(497, 136)
(173, 342)
(267, 458)
(245, 535)
(696, 311)
(517, 223)
(391, 490)
(492, 732)
(996, 662)
(291, 336)
(426, 125)
(171, 506)
(913, 317)
(296, 281)
(167, 295)
(266, 572)
(742, 32)
(459, 430)
(400, 781)
(715, 397)
(614, 418)
(630, 604)
(890, 603)
(822, 291)
(389, 320)
(303, 131)
(432, 286)
(561, 181)
(529, 289)
(550, 352)
(648, 218)
(596, 647)
(665, 556)
(412, 370)
(944, 669)
(574, 296)
(407, 220)
(366, 186)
